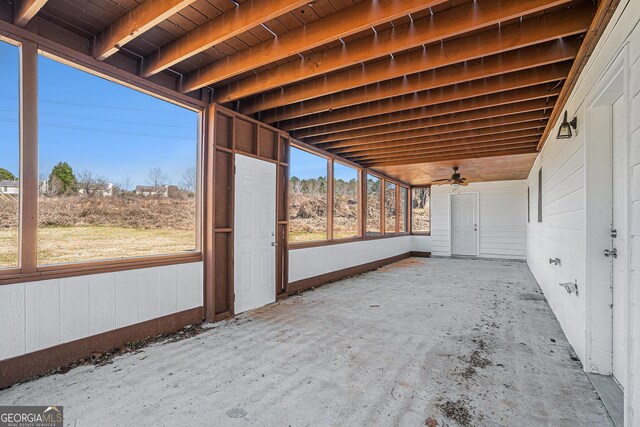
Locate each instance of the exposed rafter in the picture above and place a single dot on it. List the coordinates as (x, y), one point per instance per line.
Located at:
(510, 37)
(449, 23)
(330, 28)
(215, 31)
(457, 155)
(26, 10)
(520, 79)
(141, 19)
(342, 139)
(486, 145)
(453, 74)
(543, 92)
(407, 137)
(518, 130)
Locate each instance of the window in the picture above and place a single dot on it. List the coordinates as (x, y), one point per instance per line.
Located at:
(345, 201)
(402, 210)
(374, 199)
(9, 156)
(421, 210)
(389, 208)
(308, 198)
(528, 204)
(540, 195)
(117, 170)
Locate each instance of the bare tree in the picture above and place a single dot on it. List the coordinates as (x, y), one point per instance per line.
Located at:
(188, 182)
(157, 179)
(125, 185)
(49, 186)
(90, 184)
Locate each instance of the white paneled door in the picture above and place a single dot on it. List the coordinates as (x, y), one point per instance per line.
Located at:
(619, 244)
(255, 229)
(464, 224)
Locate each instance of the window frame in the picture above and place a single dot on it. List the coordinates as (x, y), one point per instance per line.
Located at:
(540, 195)
(413, 232)
(362, 209)
(28, 269)
(359, 198)
(329, 195)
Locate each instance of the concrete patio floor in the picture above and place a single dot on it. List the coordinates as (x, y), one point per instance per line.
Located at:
(424, 341)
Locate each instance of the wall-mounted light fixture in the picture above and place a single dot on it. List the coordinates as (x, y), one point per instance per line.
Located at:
(564, 132)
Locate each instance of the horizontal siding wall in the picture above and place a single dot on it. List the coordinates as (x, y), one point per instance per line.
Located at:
(563, 232)
(502, 216)
(37, 315)
(311, 262)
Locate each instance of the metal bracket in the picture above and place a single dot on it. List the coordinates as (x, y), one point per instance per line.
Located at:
(571, 287)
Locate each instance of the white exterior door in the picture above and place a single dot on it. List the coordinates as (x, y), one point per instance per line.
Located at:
(255, 230)
(464, 224)
(619, 244)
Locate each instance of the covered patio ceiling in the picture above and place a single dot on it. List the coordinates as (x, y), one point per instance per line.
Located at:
(406, 87)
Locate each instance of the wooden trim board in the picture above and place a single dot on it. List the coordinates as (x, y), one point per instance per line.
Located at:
(334, 276)
(31, 365)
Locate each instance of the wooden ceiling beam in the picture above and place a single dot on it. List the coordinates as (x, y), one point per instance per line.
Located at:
(492, 42)
(468, 154)
(236, 21)
(345, 22)
(508, 62)
(539, 92)
(520, 79)
(502, 133)
(475, 127)
(144, 17)
(606, 9)
(483, 114)
(27, 9)
(433, 28)
(489, 145)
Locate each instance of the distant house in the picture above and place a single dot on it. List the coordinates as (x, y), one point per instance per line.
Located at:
(149, 190)
(9, 187)
(104, 190)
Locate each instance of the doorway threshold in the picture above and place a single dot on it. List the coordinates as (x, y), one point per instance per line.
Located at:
(611, 395)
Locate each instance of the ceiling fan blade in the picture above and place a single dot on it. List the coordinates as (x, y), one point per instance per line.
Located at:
(441, 180)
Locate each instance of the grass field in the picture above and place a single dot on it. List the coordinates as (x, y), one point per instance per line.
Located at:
(76, 244)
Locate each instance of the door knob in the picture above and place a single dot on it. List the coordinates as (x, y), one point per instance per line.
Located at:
(611, 253)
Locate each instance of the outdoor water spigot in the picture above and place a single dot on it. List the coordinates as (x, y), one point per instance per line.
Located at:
(571, 287)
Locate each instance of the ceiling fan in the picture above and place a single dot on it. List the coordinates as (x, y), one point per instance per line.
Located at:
(456, 179)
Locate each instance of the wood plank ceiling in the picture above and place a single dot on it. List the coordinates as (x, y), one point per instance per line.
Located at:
(393, 85)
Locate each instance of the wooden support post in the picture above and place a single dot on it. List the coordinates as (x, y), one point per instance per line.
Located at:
(29, 157)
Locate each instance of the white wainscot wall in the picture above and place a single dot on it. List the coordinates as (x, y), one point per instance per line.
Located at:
(563, 231)
(315, 261)
(502, 218)
(41, 314)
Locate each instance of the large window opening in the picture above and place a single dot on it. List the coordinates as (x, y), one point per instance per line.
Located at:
(345, 201)
(402, 210)
(9, 156)
(374, 208)
(389, 208)
(117, 170)
(421, 210)
(308, 197)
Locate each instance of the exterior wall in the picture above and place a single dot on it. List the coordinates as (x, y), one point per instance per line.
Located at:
(42, 314)
(564, 231)
(315, 261)
(502, 218)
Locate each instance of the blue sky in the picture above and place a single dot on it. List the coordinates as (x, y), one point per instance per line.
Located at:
(305, 165)
(96, 125)
(111, 130)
